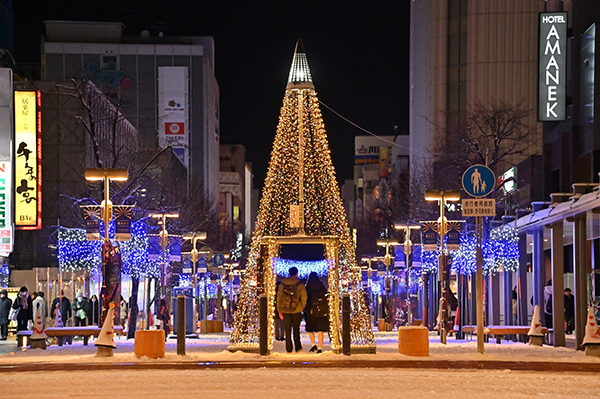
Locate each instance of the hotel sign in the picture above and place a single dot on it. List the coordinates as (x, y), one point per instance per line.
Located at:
(552, 64)
(28, 160)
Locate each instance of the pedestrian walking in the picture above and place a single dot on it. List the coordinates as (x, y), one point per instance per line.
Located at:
(316, 311)
(5, 305)
(80, 309)
(123, 311)
(65, 308)
(24, 305)
(291, 299)
(569, 311)
(40, 303)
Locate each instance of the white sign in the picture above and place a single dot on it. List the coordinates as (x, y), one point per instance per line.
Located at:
(173, 110)
(478, 207)
(552, 64)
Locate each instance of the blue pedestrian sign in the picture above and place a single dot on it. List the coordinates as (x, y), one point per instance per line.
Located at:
(218, 259)
(478, 181)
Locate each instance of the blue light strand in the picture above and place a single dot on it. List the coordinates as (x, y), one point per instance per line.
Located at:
(305, 267)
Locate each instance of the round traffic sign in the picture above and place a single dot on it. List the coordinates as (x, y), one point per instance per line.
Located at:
(478, 181)
(218, 259)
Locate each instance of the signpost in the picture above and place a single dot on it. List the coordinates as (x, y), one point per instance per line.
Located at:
(479, 181)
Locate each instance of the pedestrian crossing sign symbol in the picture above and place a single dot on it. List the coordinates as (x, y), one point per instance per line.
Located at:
(478, 181)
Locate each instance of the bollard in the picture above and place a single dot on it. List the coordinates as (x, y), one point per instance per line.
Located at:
(346, 324)
(263, 319)
(181, 325)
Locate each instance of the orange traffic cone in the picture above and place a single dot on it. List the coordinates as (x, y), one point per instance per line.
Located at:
(536, 337)
(59, 321)
(38, 336)
(106, 341)
(591, 341)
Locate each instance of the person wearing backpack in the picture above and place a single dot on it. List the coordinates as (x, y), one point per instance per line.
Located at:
(317, 311)
(291, 299)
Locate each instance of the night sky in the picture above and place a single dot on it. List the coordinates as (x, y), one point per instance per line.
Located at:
(357, 52)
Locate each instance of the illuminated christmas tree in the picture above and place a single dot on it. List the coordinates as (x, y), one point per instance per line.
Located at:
(301, 202)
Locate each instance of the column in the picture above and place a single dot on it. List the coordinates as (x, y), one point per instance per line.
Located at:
(558, 299)
(494, 299)
(523, 295)
(580, 257)
(539, 271)
(507, 292)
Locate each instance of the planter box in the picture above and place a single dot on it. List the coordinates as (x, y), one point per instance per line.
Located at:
(150, 343)
(413, 341)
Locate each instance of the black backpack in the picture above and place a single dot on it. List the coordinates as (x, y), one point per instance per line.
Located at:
(289, 298)
(319, 307)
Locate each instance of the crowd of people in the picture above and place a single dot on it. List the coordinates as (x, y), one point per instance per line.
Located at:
(81, 312)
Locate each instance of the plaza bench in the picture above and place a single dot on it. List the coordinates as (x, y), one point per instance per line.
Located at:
(500, 331)
(63, 334)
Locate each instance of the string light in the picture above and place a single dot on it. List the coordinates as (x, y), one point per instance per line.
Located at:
(324, 215)
(281, 267)
(4, 275)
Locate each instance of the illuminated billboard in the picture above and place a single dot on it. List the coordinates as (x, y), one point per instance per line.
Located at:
(552, 64)
(6, 233)
(28, 160)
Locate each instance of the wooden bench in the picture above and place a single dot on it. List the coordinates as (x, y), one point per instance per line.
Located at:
(63, 334)
(500, 331)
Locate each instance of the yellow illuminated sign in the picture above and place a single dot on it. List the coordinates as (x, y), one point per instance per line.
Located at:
(28, 170)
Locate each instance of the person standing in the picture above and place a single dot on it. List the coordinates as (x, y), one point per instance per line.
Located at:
(24, 304)
(40, 303)
(5, 305)
(279, 326)
(94, 311)
(291, 300)
(80, 309)
(548, 304)
(123, 311)
(65, 308)
(317, 311)
(569, 311)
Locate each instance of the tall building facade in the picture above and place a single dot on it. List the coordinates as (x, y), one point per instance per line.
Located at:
(166, 86)
(467, 51)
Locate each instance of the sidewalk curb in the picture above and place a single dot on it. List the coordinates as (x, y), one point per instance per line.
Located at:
(399, 364)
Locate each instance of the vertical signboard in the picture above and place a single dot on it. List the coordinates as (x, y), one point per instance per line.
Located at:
(6, 233)
(28, 160)
(552, 67)
(6, 191)
(172, 110)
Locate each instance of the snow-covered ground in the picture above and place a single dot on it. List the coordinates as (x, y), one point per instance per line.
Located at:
(213, 347)
(300, 383)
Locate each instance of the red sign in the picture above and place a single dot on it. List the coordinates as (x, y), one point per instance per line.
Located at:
(174, 128)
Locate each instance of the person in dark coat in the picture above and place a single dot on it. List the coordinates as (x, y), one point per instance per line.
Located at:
(5, 305)
(316, 311)
(291, 317)
(94, 310)
(279, 326)
(569, 311)
(25, 306)
(65, 308)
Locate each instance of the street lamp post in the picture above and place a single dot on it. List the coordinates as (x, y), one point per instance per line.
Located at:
(106, 175)
(164, 241)
(195, 237)
(387, 260)
(408, 252)
(442, 196)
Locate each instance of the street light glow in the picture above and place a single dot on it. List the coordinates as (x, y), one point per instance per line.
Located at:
(101, 174)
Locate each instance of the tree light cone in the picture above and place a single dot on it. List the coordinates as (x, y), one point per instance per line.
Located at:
(413, 340)
(105, 342)
(536, 324)
(149, 343)
(592, 330)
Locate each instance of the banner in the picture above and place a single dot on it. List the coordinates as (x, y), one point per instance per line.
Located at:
(173, 110)
(175, 243)
(429, 236)
(400, 258)
(122, 215)
(416, 257)
(91, 216)
(154, 249)
(28, 160)
(111, 266)
(453, 236)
